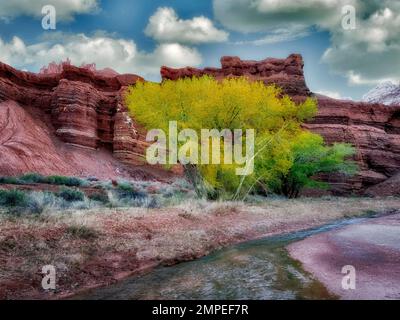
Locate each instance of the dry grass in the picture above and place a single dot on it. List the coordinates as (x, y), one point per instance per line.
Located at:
(98, 246)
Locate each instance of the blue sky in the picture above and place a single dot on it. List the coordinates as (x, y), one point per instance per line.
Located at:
(139, 36)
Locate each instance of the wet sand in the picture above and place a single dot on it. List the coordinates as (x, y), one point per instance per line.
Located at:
(372, 248)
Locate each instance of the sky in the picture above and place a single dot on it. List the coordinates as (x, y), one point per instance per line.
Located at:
(142, 35)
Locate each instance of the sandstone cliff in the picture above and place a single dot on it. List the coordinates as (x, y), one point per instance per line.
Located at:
(68, 122)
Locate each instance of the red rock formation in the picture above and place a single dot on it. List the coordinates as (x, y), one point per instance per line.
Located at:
(286, 73)
(373, 128)
(77, 107)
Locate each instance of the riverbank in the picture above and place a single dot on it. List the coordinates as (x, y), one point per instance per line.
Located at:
(371, 248)
(92, 248)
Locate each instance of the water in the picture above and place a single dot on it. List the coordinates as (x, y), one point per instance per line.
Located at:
(260, 269)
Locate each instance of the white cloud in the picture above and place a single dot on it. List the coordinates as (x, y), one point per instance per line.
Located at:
(166, 26)
(268, 15)
(330, 94)
(333, 94)
(119, 54)
(276, 36)
(369, 54)
(65, 9)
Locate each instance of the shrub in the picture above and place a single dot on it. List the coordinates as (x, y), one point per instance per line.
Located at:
(127, 191)
(308, 156)
(32, 178)
(12, 198)
(99, 197)
(38, 202)
(66, 181)
(9, 180)
(71, 195)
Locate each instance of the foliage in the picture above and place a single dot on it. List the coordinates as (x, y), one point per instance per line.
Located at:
(127, 191)
(12, 198)
(69, 194)
(99, 197)
(9, 180)
(30, 178)
(65, 181)
(307, 157)
(234, 103)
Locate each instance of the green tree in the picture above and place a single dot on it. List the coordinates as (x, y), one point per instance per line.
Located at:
(309, 156)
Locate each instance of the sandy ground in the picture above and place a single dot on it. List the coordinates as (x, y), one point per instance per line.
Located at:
(372, 248)
(99, 247)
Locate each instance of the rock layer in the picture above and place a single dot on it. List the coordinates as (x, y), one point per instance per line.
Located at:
(374, 129)
(70, 123)
(285, 73)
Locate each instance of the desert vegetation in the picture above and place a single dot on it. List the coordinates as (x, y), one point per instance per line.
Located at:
(287, 157)
(65, 194)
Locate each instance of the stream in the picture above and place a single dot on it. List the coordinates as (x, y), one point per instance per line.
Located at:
(259, 269)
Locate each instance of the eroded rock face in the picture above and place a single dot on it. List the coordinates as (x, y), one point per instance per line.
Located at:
(374, 129)
(286, 73)
(84, 109)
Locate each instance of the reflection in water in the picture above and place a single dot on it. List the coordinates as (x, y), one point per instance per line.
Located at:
(258, 269)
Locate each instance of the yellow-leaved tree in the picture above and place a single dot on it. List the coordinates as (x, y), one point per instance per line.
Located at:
(232, 104)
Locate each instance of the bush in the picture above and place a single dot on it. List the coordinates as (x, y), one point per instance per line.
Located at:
(38, 202)
(71, 195)
(65, 181)
(127, 191)
(32, 178)
(12, 198)
(308, 156)
(99, 197)
(37, 178)
(9, 180)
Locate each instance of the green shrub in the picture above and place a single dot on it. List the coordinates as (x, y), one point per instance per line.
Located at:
(99, 197)
(127, 191)
(32, 178)
(9, 180)
(12, 198)
(65, 181)
(69, 194)
(308, 157)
